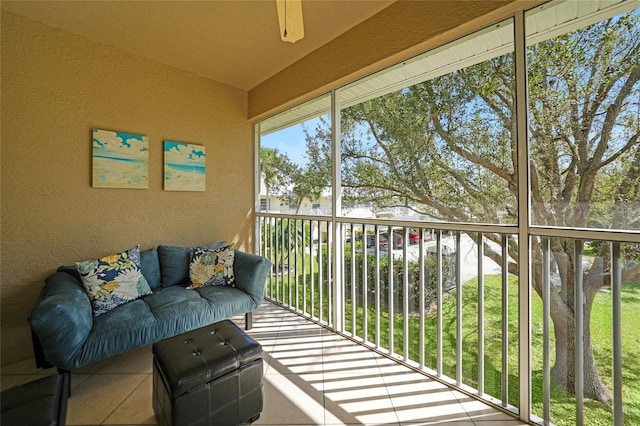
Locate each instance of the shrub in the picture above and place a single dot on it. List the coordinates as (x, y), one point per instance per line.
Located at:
(430, 279)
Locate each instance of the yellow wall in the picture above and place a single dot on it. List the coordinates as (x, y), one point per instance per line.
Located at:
(56, 87)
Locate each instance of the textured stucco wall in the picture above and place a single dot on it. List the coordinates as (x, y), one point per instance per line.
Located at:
(56, 87)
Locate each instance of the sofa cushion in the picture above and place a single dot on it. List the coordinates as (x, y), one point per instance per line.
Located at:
(167, 296)
(113, 280)
(174, 263)
(130, 326)
(227, 301)
(150, 267)
(210, 267)
(177, 310)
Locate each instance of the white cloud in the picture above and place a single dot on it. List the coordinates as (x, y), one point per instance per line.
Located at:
(114, 145)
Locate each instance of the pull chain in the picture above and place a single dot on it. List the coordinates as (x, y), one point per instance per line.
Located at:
(285, 18)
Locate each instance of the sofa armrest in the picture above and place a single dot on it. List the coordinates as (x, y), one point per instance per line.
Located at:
(62, 319)
(250, 272)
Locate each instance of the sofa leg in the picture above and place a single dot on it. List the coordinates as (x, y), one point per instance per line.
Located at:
(248, 320)
(38, 353)
(67, 377)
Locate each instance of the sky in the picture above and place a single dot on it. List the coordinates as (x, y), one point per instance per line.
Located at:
(290, 141)
(184, 154)
(111, 144)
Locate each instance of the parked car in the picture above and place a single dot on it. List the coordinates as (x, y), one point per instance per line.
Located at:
(398, 239)
(382, 241)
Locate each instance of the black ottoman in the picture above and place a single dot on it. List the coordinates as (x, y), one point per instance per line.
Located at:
(38, 403)
(209, 376)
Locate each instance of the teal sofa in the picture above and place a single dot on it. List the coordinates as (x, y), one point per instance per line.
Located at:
(66, 335)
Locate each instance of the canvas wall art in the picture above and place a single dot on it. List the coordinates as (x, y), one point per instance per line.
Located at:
(184, 166)
(120, 160)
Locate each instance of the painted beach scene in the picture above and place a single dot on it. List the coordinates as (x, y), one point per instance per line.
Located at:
(120, 160)
(184, 166)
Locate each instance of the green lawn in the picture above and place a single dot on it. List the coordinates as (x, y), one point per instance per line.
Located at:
(562, 404)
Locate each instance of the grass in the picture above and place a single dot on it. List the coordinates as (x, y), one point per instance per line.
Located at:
(562, 404)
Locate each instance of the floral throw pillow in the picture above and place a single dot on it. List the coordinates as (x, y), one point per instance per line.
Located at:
(113, 280)
(211, 267)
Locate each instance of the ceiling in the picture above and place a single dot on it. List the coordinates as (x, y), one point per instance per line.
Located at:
(236, 42)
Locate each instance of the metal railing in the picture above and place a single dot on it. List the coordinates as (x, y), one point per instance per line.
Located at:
(440, 300)
(393, 282)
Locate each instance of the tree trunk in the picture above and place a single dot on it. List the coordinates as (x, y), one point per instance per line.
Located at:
(564, 369)
(563, 318)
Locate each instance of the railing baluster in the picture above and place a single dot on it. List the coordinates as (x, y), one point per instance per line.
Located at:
(289, 261)
(274, 259)
(391, 304)
(263, 246)
(405, 289)
(284, 223)
(546, 329)
(421, 235)
(439, 302)
(458, 310)
(578, 310)
(276, 251)
(365, 288)
(353, 281)
(505, 321)
(281, 250)
(260, 250)
(320, 270)
(304, 267)
(312, 289)
(278, 259)
(297, 265)
(480, 315)
(616, 289)
(330, 270)
(343, 281)
(376, 251)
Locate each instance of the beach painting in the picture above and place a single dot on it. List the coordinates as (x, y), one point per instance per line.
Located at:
(184, 166)
(120, 160)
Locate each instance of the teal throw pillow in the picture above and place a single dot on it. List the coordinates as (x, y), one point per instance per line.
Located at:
(113, 280)
(211, 267)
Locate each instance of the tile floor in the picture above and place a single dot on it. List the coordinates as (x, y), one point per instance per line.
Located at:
(312, 377)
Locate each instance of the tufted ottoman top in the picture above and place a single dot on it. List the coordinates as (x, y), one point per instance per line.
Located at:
(197, 357)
